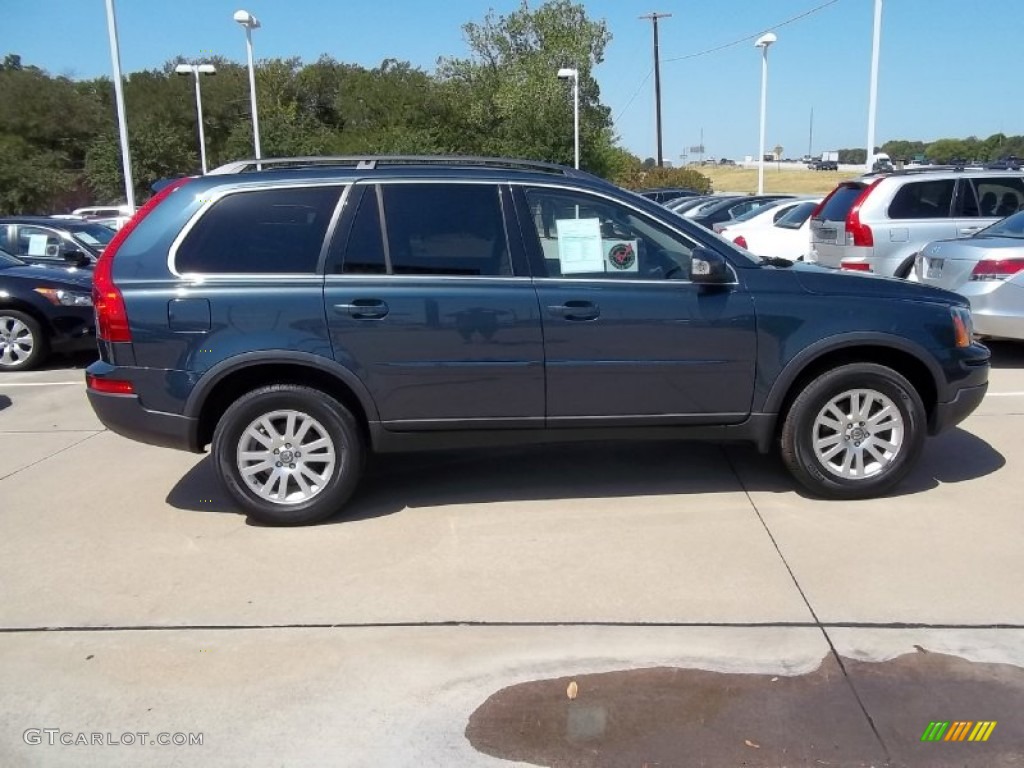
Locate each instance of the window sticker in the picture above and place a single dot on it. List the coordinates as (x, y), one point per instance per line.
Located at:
(621, 255)
(37, 245)
(579, 246)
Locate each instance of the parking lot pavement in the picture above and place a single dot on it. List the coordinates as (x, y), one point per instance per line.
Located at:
(118, 560)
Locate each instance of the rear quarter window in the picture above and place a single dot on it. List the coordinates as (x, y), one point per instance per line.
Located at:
(930, 199)
(259, 232)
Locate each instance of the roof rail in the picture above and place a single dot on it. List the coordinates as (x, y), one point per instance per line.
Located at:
(372, 162)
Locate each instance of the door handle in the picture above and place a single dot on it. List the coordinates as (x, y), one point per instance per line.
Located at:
(363, 309)
(575, 310)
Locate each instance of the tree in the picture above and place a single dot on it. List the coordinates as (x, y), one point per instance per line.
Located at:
(506, 99)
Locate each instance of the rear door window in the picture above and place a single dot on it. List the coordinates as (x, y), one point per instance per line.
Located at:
(270, 231)
(998, 196)
(926, 199)
(840, 203)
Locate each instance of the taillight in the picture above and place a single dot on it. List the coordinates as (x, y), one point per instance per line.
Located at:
(861, 233)
(111, 314)
(855, 266)
(110, 386)
(996, 269)
(741, 241)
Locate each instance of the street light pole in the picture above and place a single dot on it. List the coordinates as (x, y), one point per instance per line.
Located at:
(567, 73)
(250, 23)
(763, 43)
(873, 98)
(122, 123)
(196, 70)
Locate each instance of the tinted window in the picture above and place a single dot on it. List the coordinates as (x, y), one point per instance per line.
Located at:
(364, 253)
(840, 203)
(581, 236)
(6, 260)
(267, 231)
(445, 229)
(923, 200)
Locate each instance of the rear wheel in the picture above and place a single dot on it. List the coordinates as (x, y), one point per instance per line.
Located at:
(289, 455)
(23, 344)
(854, 432)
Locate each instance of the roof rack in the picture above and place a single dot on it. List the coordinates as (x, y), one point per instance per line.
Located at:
(916, 171)
(372, 162)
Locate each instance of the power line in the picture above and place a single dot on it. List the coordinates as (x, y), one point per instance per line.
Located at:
(718, 48)
(755, 35)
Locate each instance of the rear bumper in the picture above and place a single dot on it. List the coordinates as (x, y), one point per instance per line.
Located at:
(948, 415)
(125, 415)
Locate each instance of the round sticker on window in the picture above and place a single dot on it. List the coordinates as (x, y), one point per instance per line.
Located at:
(622, 256)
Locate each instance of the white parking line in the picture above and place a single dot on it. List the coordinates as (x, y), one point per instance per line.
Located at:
(1005, 394)
(5, 385)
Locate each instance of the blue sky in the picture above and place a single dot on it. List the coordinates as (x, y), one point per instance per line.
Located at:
(947, 66)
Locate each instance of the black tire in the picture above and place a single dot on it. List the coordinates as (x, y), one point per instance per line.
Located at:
(329, 418)
(22, 327)
(880, 473)
(904, 269)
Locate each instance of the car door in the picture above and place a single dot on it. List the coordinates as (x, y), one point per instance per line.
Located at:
(628, 339)
(432, 308)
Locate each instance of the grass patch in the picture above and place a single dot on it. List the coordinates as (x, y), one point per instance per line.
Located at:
(785, 180)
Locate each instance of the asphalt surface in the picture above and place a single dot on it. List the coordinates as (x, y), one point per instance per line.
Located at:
(706, 611)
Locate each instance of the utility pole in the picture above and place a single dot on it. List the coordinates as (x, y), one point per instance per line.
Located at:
(654, 16)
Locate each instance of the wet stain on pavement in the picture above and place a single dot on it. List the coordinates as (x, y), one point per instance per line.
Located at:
(690, 717)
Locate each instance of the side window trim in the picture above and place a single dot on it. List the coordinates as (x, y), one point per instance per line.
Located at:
(382, 218)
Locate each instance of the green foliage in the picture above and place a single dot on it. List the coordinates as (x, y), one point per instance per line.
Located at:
(639, 176)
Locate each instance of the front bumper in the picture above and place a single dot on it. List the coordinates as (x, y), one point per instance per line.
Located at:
(126, 416)
(948, 415)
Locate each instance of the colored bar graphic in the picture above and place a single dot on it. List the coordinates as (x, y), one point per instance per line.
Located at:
(958, 730)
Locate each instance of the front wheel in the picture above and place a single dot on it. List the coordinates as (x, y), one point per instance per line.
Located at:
(854, 432)
(289, 455)
(23, 344)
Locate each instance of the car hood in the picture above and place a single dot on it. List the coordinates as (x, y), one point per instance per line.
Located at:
(975, 248)
(835, 282)
(73, 278)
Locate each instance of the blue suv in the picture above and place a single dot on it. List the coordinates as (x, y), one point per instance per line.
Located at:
(298, 314)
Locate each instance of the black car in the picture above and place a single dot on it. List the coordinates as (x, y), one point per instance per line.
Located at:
(54, 241)
(301, 316)
(664, 194)
(42, 310)
(731, 208)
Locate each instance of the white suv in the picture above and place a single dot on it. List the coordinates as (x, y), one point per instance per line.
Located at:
(879, 222)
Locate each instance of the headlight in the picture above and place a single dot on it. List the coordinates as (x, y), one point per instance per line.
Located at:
(62, 298)
(963, 326)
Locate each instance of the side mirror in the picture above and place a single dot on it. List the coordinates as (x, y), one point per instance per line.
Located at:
(708, 267)
(76, 258)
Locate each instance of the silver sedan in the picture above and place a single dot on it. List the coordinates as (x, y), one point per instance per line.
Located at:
(988, 270)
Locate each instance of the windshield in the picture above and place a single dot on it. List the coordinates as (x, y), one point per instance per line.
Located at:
(1011, 226)
(796, 217)
(95, 235)
(6, 260)
(756, 211)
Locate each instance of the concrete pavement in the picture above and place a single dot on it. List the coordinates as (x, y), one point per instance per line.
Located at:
(136, 598)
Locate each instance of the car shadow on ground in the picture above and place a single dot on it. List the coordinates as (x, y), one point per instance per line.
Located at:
(1006, 354)
(5, 402)
(394, 482)
(76, 361)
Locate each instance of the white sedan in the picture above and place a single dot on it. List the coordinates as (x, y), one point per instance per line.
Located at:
(788, 238)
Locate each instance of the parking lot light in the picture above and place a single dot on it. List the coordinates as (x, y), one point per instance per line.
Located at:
(569, 73)
(763, 42)
(250, 22)
(196, 70)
